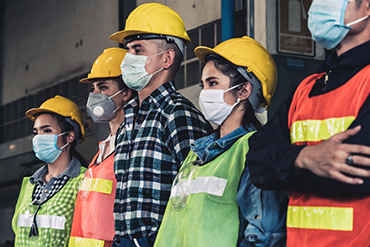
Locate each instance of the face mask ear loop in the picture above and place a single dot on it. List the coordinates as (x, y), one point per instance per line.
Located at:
(357, 21)
(237, 102)
(116, 93)
(64, 146)
(157, 55)
(234, 87)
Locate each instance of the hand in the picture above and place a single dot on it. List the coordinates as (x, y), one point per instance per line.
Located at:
(328, 159)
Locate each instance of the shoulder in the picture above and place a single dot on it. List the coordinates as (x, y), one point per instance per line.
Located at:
(183, 110)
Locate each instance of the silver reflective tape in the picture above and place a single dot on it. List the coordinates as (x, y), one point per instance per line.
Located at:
(210, 185)
(43, 221)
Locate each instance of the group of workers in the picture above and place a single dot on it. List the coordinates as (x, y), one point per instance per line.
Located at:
(163, 177)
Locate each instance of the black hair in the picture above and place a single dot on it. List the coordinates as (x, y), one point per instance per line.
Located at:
(66, 127)
(236, 78)
(358, 3)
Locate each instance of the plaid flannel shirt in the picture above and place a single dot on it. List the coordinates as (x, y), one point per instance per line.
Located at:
(151, 144)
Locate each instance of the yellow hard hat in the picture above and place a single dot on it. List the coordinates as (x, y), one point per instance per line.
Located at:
(107, 65)
(64, 107)
(153, 18)
(247, 52)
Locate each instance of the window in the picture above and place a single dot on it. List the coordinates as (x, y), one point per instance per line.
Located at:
(13, 121)
(207, 35)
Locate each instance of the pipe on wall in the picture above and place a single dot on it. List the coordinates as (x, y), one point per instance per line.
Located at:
(227, 19)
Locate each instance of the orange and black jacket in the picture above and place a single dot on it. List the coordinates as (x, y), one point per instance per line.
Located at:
(272, 155)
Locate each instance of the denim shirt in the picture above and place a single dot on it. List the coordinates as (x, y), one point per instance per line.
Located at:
(262, 213)
(209, 147)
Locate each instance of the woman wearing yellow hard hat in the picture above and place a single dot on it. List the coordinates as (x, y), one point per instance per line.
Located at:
(93, 222)
(238, 80)
(44, 210)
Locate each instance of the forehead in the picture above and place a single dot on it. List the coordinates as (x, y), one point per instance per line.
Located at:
(45, 119)
(99, 82)
(146, 43)
(210, 67)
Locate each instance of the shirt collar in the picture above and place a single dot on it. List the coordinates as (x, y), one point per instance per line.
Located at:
(354, 57)
(161, 93)
(103, 146)
(204, 146)
(73, 170)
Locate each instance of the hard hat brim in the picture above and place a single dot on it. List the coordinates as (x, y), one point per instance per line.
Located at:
(34, 111)
(90, 79)
(202, 52)
(121, 35)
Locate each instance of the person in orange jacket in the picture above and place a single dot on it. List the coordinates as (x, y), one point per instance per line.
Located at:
(318, 142)
(93, 222)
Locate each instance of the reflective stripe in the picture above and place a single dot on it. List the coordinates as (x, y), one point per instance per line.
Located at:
(43, 221)
(210, 185)
(318, 130)
(85, 242)
(97, 184)
(328, 218)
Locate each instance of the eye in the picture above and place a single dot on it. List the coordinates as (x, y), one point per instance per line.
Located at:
(212, 83)
(34, 133)
(47, 131)
(103, 88)
(92, 89)
(201, 85)
(138, 50)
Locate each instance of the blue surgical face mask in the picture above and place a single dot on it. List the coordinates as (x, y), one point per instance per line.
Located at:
(45, 147)
(326, 22)
(133, 71)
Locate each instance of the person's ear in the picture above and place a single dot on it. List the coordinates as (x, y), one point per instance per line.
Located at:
(70, 136)
(245, 91)
(168, 58)
(126, 95)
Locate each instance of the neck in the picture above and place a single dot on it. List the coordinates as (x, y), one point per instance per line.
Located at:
(232, 122)
(353, 40)
(116, 122)
(154, 83)
(58, 166)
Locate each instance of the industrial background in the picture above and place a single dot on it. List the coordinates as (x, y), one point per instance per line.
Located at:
(46, 46)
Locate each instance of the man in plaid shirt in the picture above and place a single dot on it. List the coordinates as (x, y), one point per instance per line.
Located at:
(160, 124)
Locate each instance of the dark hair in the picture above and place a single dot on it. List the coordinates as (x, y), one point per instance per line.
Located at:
(65, 127)
(358, 3)
(236, 78)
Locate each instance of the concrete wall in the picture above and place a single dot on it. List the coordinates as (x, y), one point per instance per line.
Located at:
(48, 42)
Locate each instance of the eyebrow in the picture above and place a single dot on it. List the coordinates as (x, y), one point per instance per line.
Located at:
(101, 83)
(135, 46)
(211, 78)
(44, 126)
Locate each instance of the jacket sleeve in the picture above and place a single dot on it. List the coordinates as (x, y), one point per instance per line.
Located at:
(332, 187)
(271, 155)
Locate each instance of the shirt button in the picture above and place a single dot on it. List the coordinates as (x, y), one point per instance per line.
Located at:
(45, 190)
(256, 217)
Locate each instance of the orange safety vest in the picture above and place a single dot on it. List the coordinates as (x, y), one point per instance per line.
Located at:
(314, 220)
(93, 221)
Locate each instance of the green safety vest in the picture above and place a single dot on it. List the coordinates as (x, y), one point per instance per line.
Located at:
(54, 218)
(211, 215)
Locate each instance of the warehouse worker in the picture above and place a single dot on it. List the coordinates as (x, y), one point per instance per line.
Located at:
(160, 124)
(44, 210)
(318, 141)
(239, 78)
(93, 222)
